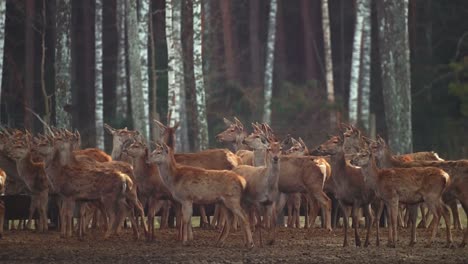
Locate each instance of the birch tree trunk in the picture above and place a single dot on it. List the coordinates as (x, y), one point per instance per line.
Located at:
(2, 39)
(121, 93)
(143, 26)
(270, 52)
(396, 82)
(355, 65)
(176, 91)
(364, 107)
(328, 61)
(140, 120)
(98, 76)
(202, 140)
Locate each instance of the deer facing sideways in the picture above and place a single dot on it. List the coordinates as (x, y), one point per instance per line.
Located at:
(409, 186)
(190, 185)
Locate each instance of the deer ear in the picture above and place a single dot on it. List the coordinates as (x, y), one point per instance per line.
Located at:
(302, 142)
(227, 122)
(294, 141)
(239, 123)
(109, 129)
(176, 125)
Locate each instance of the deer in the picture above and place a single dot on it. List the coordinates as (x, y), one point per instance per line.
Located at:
(211, 159)
(235, 134)
(85, 183)
(119, 137)
(3, 178)
(150, 185)
(349, 188)
(409, 186)
(262, 186)
(34, 176)
(190, 185)
(457, 169)
(298, 174)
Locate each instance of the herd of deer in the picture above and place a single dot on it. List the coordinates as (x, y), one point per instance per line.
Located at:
(249, 188)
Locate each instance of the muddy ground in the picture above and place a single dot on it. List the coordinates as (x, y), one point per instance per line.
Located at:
(292, 246)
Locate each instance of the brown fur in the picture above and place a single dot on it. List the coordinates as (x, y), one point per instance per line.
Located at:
(190, 184)
(409, 186)
(210, 159)
(94, 153)
(3, 177)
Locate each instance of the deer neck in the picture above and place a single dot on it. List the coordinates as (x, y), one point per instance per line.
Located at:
(116, 152)
(25, 170)
(370, 173)
(259, 157)
(338, 163)
(238, 145)
(387, 160)
(273, 172)
(67, 157)
(140, 165)
(168, 171)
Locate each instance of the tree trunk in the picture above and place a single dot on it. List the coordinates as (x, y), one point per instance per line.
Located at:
(270, 52)
(308, 32)
(154, 79)
(139, 118)
(364, 107)
(122, 95)
(98, 75)
(143, 28)
(328, 61)
(63, 63)
(28, 99)
(176, 90)
(202, 123)
(396, 82)
(355, 65)
(254, 42)
(2, 39)
(231, 65)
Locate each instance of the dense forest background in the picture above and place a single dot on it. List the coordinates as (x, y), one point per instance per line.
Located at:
(234, 45)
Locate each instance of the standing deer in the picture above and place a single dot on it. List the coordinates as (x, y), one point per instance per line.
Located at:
(2, 204)
(409, 186)
(235, 135)
(190, 185)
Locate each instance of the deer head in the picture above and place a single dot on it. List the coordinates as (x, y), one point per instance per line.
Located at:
(134, 148)
(119, 136)
(19, 148)
(44, 146)
(332, 146)
(273, 152)
(160, 154)
(378, 147)
(298, 148)
(257, 140)
(352, 140)
(362, 158)
(233, 132)
(168, 132)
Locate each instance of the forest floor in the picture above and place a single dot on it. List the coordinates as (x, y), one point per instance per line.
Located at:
(292, 246)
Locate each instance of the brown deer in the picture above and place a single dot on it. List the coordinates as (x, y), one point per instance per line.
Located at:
(349, 188)
(190, 184)
(34, 176)
(119, 136)
(150, 185)
(458, 171)
(2, 204)
(262, 186)
(298, 174)
(409, 186)
(85, 183)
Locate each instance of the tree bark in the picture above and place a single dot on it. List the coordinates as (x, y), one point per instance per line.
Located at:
(308, 32)
(99, 111)
(139, 118)
(154, 79)
(328, 61)
(230, 60)
(63, 63)
(364, 107)
(396, 82)
(176, 90)
(28, 99)
(122, 96)
(355, 65)
(2, 39)
(254, 42)
(270, 52)
(143, 28)
(202, 123)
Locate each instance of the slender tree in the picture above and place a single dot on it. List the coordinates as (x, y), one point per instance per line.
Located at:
(140, 120)
(2, 38)
(202, 140)
(365, 69)
(176, 90)
(328, 60)
(254, 43)
(396, 82)
(122, 95)
(154, 115)
(355, 65)
(98, 76)
(228, 39)
(29, 63)
(143, 29)
(270, 51)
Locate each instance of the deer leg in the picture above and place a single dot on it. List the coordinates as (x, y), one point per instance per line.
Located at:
(226, 228)
(222, 210)
(290, 214)
(392, 207)
(325, 204)
(345, 223)
(2, 217)
(203, 218)
(413, 215)
(444, 211)
(432, 205)
(186, 216)
(236, 209)
(32, 208)
(464, 203)
(355, 217)
(379, 209)
(369, 220)
(456, 216)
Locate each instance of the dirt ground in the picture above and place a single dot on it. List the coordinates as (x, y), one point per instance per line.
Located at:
(292, 246)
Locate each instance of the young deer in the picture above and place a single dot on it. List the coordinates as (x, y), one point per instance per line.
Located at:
(2, 204)
(262, 185)
(458, 171)
(409, 186)
(34, 176)
(349, 188)
(190, 184)
(235, 135)
(150, 185)
(119, 137)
